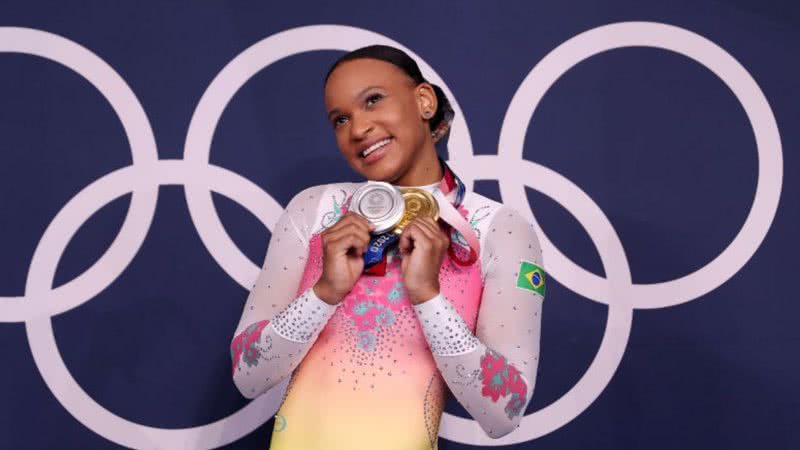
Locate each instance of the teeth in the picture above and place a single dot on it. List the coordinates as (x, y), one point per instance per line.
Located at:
(374, 147)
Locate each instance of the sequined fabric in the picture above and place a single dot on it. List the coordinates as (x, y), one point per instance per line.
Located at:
(372, 372)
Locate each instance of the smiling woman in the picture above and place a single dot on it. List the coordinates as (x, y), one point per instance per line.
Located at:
(380, 105)
(452, 304)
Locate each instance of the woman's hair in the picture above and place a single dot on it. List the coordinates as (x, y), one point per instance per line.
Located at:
(442, 118)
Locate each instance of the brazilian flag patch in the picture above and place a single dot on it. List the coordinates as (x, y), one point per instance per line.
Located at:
(531, 277)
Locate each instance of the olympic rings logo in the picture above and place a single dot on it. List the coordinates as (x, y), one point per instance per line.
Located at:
(40, 301)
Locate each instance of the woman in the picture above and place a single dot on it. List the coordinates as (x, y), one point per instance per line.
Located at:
(371, 355)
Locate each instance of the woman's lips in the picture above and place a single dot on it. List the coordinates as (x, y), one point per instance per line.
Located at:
(378, 154)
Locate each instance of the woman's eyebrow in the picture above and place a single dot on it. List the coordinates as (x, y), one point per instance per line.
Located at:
(364, 91)
(359, 95)
(332, 112)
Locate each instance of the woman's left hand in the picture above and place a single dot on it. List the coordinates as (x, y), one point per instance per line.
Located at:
(423, 245)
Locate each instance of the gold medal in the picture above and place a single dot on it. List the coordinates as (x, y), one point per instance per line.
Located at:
(418, 203)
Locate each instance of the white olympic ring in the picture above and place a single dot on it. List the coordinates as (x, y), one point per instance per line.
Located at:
(41, 301)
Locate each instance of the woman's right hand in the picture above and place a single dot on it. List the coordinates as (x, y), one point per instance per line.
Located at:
(343, 248)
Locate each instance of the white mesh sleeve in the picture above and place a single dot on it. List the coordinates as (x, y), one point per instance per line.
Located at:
(492, 373)
(278, 327)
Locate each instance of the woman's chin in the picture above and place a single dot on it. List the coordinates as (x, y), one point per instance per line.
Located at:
(386, 169)
(379, 175)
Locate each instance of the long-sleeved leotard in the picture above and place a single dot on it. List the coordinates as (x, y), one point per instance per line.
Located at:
(371, 372)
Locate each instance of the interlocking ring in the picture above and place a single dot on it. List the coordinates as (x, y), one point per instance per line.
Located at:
(41, 301)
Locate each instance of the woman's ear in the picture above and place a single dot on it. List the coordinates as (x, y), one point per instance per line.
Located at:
(426, 100)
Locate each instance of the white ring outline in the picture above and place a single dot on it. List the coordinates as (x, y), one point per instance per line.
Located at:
(512, 135)
(143, 151)
(747, 92)
(44, 348)
(618, 325)
(225, 86)
(40, 301)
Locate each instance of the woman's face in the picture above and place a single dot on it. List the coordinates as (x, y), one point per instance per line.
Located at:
(378, 116)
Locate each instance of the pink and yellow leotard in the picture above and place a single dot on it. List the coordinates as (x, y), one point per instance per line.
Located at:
(372, 372)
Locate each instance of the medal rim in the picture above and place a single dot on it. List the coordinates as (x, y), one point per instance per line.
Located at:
(392, 217)
(427, 196)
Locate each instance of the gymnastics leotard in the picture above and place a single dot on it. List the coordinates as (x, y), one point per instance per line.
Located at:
(372, 372)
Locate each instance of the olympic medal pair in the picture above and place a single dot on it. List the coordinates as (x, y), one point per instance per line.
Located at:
(390, 209)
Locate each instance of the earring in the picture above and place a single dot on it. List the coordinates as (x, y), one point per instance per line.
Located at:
(427, 114)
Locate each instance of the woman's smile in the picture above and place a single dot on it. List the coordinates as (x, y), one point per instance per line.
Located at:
(381, 116)
(376, 151)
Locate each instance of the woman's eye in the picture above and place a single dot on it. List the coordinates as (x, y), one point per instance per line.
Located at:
(374, 98)
(338, 121)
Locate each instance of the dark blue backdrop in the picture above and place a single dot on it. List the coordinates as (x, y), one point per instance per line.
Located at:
(654, 138)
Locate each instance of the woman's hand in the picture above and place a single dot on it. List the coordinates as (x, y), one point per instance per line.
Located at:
(423, 245)
(343, 244)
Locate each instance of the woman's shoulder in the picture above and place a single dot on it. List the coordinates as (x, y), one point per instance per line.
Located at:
(493, 220)
(479, 209)
(319, 206)
(321, 192)
(482, 208)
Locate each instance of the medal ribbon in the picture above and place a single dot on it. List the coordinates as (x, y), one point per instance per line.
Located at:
(450, 194)
(375, 256)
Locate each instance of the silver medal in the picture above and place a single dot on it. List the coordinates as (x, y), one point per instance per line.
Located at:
(380, 203)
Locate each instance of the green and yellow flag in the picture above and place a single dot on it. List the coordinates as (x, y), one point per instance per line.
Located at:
(531, 277)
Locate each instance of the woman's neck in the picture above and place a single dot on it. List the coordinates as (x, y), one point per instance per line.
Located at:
(426, 170)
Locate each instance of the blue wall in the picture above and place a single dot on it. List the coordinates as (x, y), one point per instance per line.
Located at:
(666, 150)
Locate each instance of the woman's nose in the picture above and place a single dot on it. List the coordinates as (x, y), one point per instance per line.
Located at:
(360, 127)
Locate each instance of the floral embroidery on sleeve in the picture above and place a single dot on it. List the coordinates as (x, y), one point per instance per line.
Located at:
(501, 379)
(476, 217)
(246, 343)
(339, 209)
